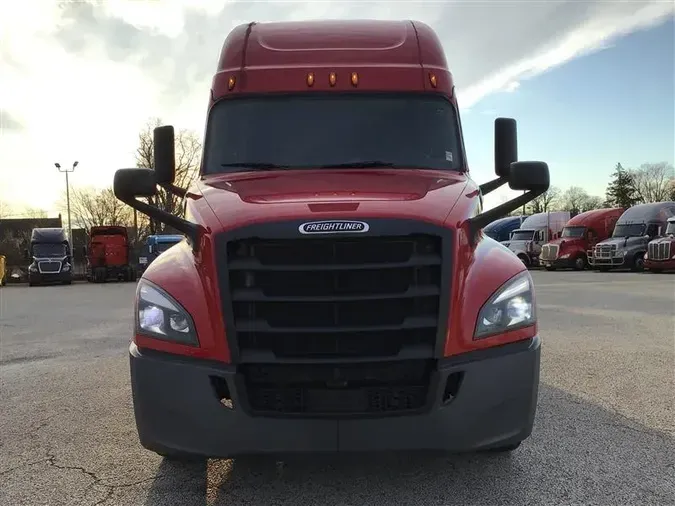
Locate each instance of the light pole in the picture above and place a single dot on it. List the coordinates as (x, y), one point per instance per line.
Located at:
(70, 225)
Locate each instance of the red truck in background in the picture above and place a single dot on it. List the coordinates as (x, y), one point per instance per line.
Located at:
(335, 291)
(108, 255)
(660, 254)
(580, 234)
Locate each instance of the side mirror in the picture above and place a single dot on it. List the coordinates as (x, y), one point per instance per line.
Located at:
(26, 254)
(130, 183)
(506, 145)
(164, 154)
(529, 176)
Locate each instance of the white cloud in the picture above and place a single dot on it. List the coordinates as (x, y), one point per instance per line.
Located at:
(79, 81)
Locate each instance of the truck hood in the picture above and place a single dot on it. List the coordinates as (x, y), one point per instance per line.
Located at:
(245, 198)
(621, 242)
(659, 240)
(575, 241)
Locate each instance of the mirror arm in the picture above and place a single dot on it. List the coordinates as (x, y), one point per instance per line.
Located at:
(491, 186)
(176, 190)
(189, 229)
(478, 222)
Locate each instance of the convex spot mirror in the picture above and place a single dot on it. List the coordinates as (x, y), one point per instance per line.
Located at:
(130, 183)
(532, 176)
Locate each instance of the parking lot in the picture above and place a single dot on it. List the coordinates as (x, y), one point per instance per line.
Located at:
(604, 433)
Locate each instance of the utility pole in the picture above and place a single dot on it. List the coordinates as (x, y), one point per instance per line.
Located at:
(70, 224)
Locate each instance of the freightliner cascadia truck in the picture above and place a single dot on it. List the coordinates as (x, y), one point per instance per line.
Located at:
(335, 292)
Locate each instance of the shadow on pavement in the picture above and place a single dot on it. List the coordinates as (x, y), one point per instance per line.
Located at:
(578, 453)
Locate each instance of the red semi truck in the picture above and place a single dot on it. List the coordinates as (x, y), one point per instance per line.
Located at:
(336, 292)
(660, 254)
(580, 234)
(108, 255)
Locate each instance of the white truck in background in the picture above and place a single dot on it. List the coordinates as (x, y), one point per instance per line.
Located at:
(534, 232)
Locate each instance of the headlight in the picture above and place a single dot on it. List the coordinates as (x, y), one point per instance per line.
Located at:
(33, 268)
(158, 315)
(566, 255)
(510, 308)
(66, 267)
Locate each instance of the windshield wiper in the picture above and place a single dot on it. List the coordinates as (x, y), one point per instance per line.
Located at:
(255, 165)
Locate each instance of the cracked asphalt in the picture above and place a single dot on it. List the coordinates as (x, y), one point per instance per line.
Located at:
(604, 432)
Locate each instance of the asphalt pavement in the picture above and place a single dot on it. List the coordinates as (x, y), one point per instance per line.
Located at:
(604, 432)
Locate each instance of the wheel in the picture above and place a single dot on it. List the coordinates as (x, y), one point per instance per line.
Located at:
(525, 260)
(638, 262)
(505, 448)
(580, 263)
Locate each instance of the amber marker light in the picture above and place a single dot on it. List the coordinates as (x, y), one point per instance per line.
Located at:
(231, 82)
(332, 78)
(433, 80)
(355, 79)
(310, 79)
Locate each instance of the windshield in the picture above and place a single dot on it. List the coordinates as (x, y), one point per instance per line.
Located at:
(670, 228)
(163, 246)
(43, 250)
(632, 230)
(522, 235)
(319, 130)
(573, 232)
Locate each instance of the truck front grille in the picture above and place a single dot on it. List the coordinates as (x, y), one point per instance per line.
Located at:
(659, 251)
(605, 251)
(549, 252)
(313, 389)
(49, 266)
(335, 297)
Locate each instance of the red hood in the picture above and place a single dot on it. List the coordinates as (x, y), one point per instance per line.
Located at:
(245, 198)
(659, 240)
(568, 240)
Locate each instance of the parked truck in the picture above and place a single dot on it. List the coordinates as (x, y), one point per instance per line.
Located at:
(579, 235)
(335, 291)
(3, 270)
(154, 246)
(500, 230)
(536, 230)
(108, 255)
(636, 227)
(660, 254)
(50, 255)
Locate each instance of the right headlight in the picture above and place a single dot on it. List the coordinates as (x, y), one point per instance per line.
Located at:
(158, 315)
(511, 307)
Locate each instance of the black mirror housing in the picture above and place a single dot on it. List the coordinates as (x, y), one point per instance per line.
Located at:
(130, 183)
(26, 254)
(506, 145)
(532, 176)
(164, 154)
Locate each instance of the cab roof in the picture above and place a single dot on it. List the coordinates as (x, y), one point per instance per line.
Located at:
(587, 217)
(332, 42)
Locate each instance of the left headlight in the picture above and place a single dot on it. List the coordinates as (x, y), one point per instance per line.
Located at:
(510, 308)
(66, 267)
(158, 315)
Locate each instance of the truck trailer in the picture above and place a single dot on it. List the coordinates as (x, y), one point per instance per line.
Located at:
(660, 254)
(51, 257)
(633, 231)
(154, 246)
(572, 249)
(536, 230)
(335, 292)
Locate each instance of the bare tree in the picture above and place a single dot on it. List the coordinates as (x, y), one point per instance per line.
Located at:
(592, 202)
(545, 202)
(574, 198)
(188, 155)
(92, 207)
(33, 212)
(6, 209)
(652, 181)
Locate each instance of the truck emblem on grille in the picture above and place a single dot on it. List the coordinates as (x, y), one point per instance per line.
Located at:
(334, 227)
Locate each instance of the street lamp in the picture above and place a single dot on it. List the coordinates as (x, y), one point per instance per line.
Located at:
(70, 225)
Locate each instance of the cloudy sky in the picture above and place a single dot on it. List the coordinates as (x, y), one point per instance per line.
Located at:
(591, 82)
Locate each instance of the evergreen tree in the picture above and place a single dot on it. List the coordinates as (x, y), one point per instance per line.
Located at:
(621, 190)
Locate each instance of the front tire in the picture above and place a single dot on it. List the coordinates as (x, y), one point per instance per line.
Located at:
(525, 260)
(580, 263)
(638, 263)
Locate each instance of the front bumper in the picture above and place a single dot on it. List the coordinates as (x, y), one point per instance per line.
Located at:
(558, 263)
(609, 262)
(44, 278)
(660, 264)
(177, 410)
